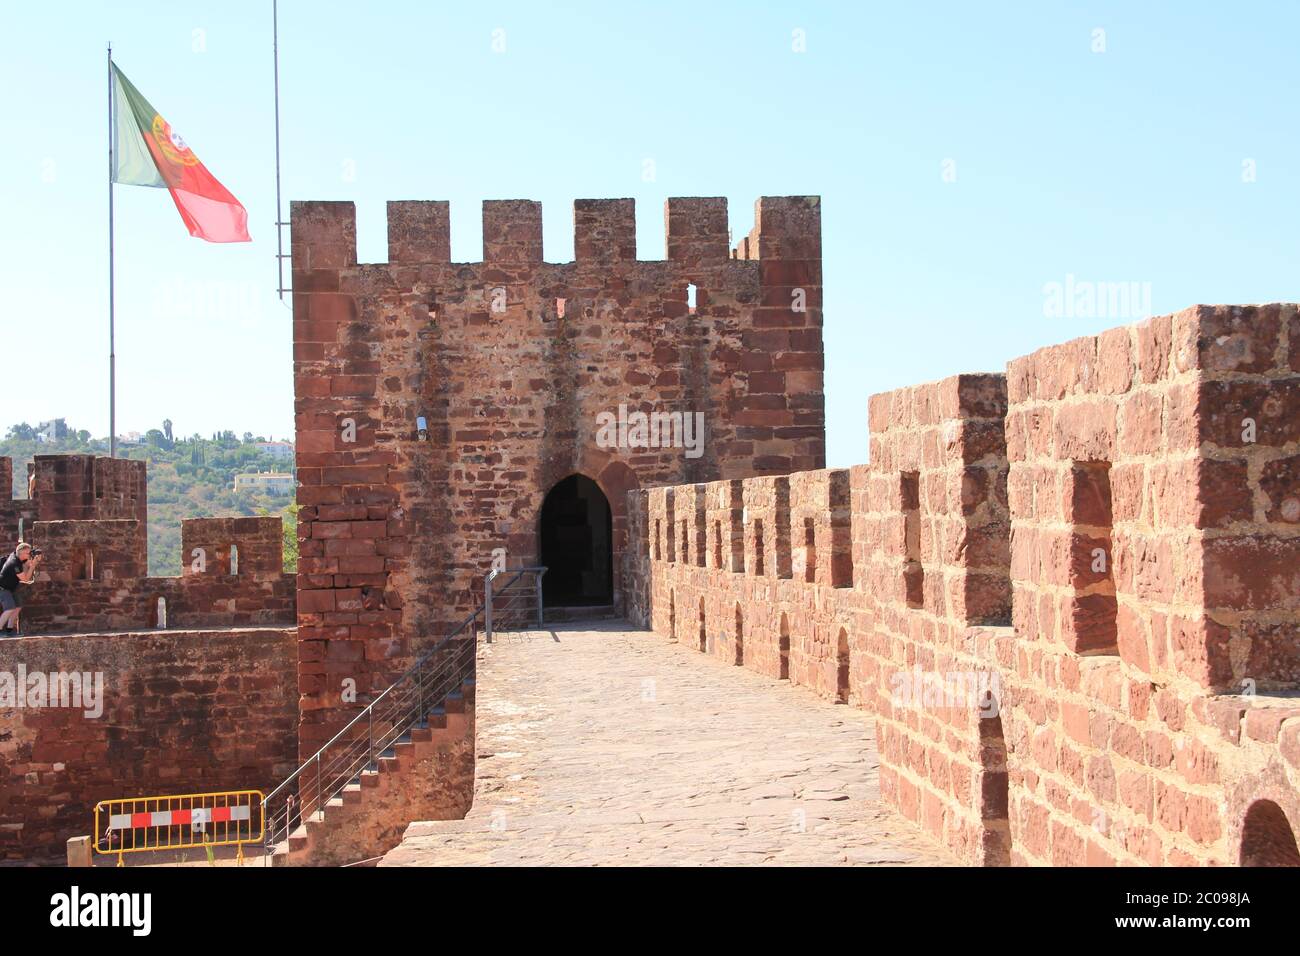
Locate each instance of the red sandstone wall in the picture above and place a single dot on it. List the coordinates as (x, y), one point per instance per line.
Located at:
(82, 487)
(74, 488)
(396, 533)
(14, 512)
(257, 591)
(1124, 754)
(1115, 738)
(119, 596)
(89, 516)
(183, 712)
(934, 535)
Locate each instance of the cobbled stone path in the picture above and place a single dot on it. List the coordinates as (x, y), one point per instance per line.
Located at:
(603, 746)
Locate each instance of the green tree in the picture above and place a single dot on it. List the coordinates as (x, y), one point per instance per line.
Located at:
(289, 525)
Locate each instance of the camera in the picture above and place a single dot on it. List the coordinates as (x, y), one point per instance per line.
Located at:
(37, 552)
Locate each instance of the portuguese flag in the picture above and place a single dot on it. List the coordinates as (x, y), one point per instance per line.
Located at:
(148, 152)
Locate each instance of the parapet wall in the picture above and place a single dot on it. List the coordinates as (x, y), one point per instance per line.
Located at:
(1068, 595)
(511, 362)
(90, 517)
(197, 702)
(86, 487)
(181, 711)
(1178, 438)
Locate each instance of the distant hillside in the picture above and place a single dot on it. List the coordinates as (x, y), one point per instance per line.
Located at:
(188, 478)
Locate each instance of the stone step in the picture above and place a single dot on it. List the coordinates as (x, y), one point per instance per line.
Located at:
(314, 822)
(598, 612)
(298, 839)
(338, 810)
(280, 856)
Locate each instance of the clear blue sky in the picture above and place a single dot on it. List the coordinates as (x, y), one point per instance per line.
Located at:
(1115, 166)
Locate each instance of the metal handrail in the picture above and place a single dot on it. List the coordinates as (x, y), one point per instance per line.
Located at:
(398, 708)
(490, 592)
(384, 721)
(366, 737)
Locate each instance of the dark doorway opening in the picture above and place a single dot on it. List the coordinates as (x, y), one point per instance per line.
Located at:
(577, 540)
(1267, 838)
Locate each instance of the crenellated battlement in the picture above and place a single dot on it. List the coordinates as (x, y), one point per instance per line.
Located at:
(89, 515)
(438, 402)
(696, 232)
(1067, 594)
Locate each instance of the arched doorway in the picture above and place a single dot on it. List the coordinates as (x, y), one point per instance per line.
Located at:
(576, 544)
(1267, 838)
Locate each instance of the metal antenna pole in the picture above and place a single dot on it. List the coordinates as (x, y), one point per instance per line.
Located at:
(275, 58)
(112, 356)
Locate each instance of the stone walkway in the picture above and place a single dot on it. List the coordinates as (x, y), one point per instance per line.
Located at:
(603, 746)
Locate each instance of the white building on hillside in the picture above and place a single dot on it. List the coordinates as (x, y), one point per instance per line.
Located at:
(267, 482)
(279, 450)
(53, 430)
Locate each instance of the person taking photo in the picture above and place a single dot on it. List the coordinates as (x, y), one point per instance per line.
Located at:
(18, 569)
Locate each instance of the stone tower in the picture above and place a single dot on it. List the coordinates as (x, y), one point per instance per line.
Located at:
(449, 413)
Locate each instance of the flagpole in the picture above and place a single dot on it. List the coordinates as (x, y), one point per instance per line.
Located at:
(112, 357)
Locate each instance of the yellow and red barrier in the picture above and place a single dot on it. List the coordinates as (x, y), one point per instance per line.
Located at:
(176, 822)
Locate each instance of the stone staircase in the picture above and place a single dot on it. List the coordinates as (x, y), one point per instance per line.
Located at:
(428, 774)
(407, 755)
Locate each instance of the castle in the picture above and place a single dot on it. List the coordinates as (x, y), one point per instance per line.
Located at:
(1068, 593)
